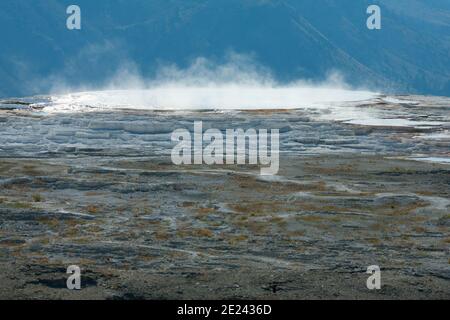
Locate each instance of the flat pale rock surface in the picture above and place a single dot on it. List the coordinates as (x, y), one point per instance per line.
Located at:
(99, 190)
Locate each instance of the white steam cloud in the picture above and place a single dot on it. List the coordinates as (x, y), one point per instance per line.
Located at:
(237, 84)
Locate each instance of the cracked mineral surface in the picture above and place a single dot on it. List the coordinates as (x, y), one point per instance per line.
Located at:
(359, 184)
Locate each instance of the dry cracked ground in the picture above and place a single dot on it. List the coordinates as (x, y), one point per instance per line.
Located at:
(140, 227)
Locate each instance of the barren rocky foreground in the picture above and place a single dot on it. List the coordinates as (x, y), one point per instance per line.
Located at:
(98, 190)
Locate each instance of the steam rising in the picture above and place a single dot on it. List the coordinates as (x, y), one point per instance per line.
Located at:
(236, 85)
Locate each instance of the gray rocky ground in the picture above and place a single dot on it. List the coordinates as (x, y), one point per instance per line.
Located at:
(98, 190)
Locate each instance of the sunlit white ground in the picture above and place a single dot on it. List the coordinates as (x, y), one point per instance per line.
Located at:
(231, 97)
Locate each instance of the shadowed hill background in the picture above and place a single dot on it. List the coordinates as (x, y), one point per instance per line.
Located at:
(295, 39)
